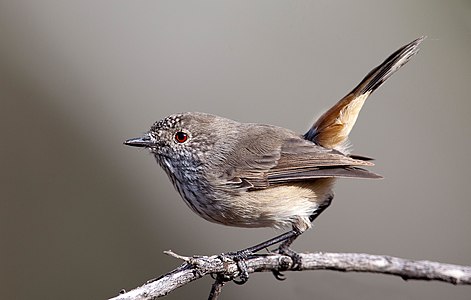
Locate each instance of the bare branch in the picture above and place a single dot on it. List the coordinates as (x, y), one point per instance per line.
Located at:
(216, 288)
(196, 267)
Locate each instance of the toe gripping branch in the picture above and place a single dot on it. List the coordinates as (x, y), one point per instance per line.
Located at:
(241, 256)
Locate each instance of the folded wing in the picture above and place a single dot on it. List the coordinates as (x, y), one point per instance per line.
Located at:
(295, 160)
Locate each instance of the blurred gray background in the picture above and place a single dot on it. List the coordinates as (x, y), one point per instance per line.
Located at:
(82, 216)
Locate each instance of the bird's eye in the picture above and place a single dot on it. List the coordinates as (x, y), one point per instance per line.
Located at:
(181, 137)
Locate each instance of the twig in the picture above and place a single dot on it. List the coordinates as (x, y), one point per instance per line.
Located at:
(216, 288)
(196, 267)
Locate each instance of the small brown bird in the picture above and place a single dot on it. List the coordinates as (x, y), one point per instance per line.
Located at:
(255, 175)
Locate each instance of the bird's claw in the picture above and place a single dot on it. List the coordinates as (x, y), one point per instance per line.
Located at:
(244, 272)
(297, 260)
(278, 275)
(239, 257)
(295, 257)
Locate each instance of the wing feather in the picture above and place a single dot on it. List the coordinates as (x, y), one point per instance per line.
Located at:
(259, 165)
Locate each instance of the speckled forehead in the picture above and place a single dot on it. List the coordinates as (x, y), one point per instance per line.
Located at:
(169, 122)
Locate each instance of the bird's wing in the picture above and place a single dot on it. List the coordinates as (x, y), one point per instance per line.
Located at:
(260, 163)
(303, 160)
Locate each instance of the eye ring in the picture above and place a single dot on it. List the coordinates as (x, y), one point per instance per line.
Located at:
(181, 137)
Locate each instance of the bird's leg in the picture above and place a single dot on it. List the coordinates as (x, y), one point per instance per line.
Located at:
(240, 256)
(280, 238)
(321, 207)
(285, 249)
(286, 239)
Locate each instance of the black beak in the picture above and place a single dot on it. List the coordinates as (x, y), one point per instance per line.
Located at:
(142, 142)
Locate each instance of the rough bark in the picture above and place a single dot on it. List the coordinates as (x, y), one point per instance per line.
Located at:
(225, 269)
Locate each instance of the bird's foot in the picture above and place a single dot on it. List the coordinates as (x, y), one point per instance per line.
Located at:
(295, 257)
(239, 258)
(297, 260)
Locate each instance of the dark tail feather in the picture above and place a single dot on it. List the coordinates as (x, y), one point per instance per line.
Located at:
(381, 73)
(331, 130)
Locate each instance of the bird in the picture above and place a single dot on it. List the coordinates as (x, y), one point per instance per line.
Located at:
(257, 175)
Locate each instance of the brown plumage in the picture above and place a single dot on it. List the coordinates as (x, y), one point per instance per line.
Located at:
(256, 175)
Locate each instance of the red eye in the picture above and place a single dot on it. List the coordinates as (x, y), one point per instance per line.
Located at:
(181, 137)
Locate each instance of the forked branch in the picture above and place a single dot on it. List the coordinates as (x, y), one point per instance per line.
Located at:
(198, 266)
